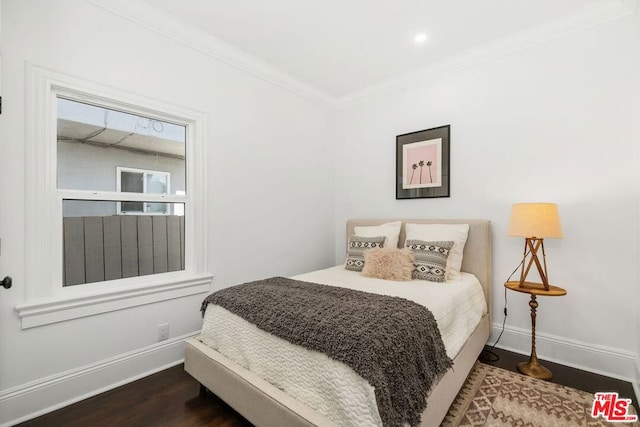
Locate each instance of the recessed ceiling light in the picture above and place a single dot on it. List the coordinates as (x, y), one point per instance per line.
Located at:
(420, 38)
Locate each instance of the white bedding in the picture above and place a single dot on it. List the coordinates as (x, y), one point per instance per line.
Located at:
(328, 386)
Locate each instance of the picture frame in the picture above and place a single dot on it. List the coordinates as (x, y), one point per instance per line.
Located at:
(422, 163)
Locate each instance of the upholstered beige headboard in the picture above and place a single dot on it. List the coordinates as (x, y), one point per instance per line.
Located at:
(477, 256)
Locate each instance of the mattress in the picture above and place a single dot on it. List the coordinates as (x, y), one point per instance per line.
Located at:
(330, 387)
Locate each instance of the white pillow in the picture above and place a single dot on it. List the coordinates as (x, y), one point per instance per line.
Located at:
(441, 232)
(390, 230)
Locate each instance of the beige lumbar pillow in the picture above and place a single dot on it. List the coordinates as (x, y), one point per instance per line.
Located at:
(388, 264)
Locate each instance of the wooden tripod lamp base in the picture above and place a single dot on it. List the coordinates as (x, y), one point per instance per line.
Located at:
(531, 247)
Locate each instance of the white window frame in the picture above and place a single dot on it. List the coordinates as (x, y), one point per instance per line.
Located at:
(45, 299)
(144, 172)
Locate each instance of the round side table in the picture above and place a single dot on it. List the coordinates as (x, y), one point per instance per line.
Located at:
(533, 368)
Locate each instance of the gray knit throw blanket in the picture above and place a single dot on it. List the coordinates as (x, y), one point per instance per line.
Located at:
(391, 342)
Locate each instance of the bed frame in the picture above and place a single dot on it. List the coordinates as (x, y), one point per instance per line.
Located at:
(265, 405)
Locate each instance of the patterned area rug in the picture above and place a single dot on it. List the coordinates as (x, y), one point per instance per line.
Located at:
(496, 397)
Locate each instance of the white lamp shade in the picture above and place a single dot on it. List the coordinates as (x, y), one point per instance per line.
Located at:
(539, 220)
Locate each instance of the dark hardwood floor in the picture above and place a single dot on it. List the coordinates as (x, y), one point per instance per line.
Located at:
(169, 398)
(173, 398)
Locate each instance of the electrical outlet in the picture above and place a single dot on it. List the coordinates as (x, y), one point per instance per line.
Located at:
(163, 331)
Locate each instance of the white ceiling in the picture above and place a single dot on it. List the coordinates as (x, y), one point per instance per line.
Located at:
(342, 47)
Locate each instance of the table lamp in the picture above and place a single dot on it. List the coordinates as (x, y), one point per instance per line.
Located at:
(534, 222)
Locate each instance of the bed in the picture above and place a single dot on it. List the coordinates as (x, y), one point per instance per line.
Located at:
(267, 405)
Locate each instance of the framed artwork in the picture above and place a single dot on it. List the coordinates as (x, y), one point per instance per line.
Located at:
(422, 164)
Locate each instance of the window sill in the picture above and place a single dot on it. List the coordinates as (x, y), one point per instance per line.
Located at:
(56, 310)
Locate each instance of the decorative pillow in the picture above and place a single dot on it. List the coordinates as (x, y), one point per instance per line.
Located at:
(391, 230)
(356, 249)
(388, 264)
(457, 233)
(430, 259)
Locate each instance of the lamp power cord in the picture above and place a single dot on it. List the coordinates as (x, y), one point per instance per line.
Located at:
(488, 354)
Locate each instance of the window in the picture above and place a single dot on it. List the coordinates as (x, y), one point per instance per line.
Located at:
(145, 182)
(111, 222)
(92, 139)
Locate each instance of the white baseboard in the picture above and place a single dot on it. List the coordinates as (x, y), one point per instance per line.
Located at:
(45, 395)
(602, 360)
(636, 383)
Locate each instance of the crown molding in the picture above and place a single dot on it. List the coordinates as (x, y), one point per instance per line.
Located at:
(203, 42)
(579, 20)
(167, 25)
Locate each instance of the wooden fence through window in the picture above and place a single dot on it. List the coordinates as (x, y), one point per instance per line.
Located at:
(99, 248)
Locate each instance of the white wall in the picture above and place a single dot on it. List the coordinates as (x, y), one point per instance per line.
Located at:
(268, 169)
(555, 122)
(637, 179)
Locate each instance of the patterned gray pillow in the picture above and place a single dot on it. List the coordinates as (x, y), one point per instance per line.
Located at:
(430, 259)
(357, 246)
